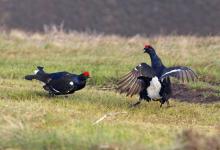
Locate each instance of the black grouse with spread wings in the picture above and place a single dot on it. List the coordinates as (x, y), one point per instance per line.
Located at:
(153, 82)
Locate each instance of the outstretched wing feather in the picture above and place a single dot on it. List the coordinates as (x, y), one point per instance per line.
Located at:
(125, 77)
(132, 87)
(181, 73)
(187, 76)
(124, 86)
(130, 84)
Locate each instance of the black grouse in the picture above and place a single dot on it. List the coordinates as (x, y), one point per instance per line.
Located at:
(153, 82)
(59, 83)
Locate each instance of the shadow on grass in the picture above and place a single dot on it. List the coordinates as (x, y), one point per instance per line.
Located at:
(99, 98)
(111, 99)
(183, 93)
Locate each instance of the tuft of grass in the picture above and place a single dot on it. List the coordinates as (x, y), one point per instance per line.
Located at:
(191, 140)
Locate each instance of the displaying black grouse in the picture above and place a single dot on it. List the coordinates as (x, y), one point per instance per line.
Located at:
(59, 83)
(153, 82)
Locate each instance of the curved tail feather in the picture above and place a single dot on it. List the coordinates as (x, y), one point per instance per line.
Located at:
(30, 77)
(39, 74)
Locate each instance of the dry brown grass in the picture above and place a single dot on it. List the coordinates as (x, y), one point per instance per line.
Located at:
(193, 140)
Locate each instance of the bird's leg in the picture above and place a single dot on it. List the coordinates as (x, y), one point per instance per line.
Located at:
(135, 104)
(162, 101)
(165, 98)
(148, 99)
(168, 104)
(46, 87)
(51, 94)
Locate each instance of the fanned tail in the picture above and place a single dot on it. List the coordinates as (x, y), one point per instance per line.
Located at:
(39, 74)
(30, 77)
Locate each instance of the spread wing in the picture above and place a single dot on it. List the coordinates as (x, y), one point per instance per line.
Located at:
(180, 72)
(131, 84)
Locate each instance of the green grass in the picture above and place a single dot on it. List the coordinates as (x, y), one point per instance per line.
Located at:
(29, 119)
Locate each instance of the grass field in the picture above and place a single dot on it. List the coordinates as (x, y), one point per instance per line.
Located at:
(29, 119)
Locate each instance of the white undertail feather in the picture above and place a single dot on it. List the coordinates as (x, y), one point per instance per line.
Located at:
(136, 67)
(36, 71)
(154, 89)
(71, 83)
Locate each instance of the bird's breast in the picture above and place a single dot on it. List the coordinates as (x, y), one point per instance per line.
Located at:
(77, 84)
(154, 88)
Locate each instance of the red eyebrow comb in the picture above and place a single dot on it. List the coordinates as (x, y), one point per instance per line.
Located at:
(86, 74)
(147, 46)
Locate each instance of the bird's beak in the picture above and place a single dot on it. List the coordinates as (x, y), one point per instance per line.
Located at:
(144, 50)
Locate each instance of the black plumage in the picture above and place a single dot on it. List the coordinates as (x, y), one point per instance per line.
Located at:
(153, 82)
(59, 83)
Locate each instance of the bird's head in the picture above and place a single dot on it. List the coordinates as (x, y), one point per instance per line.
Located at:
(86, 75)
(148, 49)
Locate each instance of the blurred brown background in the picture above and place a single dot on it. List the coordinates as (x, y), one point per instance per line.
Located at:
(123, 17)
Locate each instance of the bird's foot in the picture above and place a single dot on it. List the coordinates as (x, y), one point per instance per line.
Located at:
(131, 106)
(51, 95)
(168, 104)
(148, 100)
(134, 105)
(46, 88)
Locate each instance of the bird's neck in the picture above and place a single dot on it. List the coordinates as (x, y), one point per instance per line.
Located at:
(156, 63)
(82, 78)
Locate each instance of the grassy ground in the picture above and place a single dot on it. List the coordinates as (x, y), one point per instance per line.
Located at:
(29, 119)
